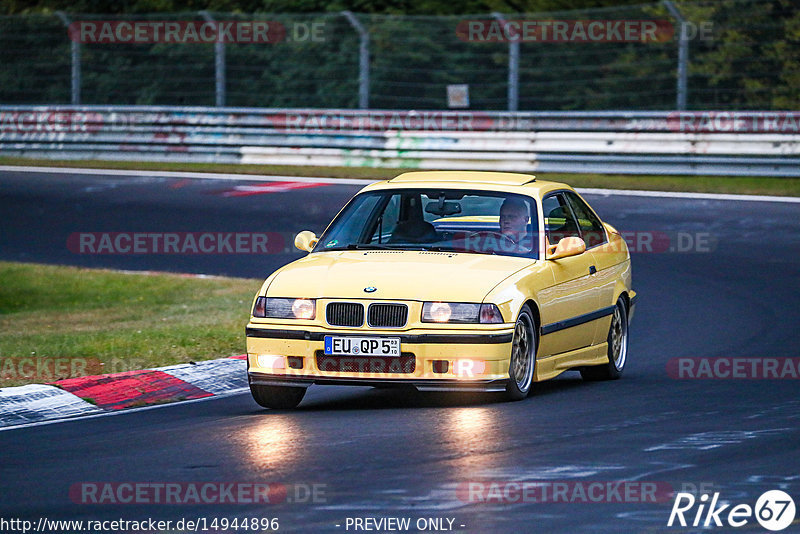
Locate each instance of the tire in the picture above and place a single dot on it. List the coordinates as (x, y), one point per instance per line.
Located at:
(522, 363)
(277, 397)
(617, 348)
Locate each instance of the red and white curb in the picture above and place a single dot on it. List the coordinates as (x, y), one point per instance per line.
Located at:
(91, 395)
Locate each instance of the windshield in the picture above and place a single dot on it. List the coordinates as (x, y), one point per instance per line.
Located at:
(480, 222)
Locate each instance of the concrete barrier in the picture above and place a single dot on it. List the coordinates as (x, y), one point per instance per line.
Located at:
(721, 143)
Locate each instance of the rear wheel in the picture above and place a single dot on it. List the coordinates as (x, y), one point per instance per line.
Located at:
(617, 348)
(277, 397)
(523, 356)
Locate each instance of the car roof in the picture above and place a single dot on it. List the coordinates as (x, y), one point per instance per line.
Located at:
(508, 182)
(506, 178)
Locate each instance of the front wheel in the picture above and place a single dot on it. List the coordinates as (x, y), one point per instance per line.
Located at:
(277, 397)
(523, 356)
(617, 348)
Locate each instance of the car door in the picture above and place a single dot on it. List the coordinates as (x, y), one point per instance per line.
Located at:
(609, 260)
(568, 305)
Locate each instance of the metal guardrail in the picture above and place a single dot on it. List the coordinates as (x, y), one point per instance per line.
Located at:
(710, 143)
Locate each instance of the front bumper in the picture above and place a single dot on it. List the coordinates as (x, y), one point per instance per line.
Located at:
(262, 379)
(476, 360)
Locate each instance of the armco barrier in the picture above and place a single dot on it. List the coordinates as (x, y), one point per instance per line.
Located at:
(721, 143)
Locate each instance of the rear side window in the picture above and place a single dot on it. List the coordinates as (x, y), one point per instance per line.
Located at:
(590, 226)
(558, 220)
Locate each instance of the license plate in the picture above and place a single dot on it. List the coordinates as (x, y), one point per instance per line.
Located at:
(362, 346)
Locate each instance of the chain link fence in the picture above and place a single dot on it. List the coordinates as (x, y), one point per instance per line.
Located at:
(727, 54)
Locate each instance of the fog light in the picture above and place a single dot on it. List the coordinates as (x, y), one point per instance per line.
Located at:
(269, 361)
(468, 368)
(440, 366)
(295, 362)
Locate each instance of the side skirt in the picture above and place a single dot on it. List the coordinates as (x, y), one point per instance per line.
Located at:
(553, 366)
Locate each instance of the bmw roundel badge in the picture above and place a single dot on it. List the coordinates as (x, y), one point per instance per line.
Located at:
(370, 289)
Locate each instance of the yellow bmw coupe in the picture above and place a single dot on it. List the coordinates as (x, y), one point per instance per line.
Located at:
(479, 281)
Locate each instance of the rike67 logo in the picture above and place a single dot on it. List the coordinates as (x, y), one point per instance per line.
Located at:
(774, 510)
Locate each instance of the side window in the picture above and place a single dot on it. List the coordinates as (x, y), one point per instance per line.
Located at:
(558, 220)
(590, 226)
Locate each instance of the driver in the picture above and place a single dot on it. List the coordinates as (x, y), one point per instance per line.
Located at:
(514, 220)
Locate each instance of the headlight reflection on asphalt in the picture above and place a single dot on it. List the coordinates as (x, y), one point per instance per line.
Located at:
(469, 433)
(272, 442)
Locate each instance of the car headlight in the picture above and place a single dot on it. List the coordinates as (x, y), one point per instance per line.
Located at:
(460, 312)
(285, 308)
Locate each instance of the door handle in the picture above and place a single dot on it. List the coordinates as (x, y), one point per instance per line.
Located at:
(592, 269)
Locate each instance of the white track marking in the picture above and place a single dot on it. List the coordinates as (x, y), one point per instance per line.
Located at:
(355, 181)
(705, 441)
(696, 196)
(186, 174)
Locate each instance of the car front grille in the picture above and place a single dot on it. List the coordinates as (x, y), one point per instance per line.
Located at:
(387, 315)
(344, 314)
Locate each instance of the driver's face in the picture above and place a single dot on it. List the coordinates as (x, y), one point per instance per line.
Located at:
(513, 220)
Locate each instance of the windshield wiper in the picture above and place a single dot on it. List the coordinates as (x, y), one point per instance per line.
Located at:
(456, 249)
(361, 246)
(366, 246)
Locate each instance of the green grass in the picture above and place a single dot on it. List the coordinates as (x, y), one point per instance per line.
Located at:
(97, 321)
(704, 184)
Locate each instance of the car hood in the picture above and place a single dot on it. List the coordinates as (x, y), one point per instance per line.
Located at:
(397, 275)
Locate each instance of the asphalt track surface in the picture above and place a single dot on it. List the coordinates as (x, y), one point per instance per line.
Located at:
(385, 453)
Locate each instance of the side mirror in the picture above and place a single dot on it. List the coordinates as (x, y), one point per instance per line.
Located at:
(305, 241)
(569, 246)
